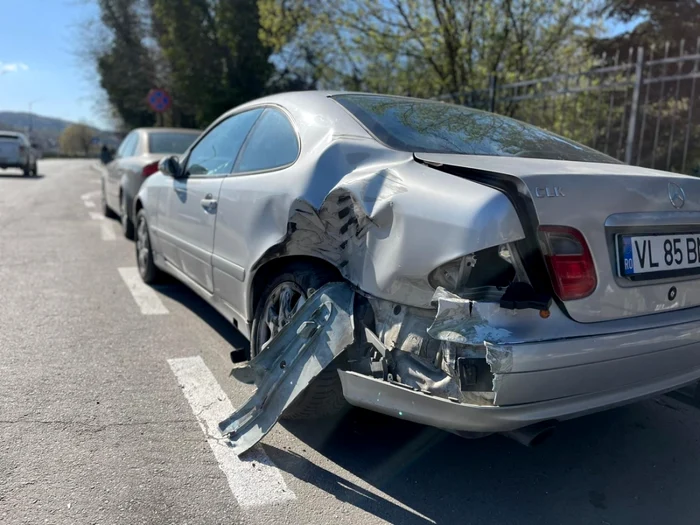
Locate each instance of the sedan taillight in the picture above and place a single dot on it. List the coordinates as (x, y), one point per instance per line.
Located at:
(569, 261)
(150, 169)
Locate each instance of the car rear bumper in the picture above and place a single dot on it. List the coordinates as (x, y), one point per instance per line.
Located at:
(552, 380)
(19, 164)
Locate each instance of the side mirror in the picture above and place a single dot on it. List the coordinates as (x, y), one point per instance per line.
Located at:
(170, 166)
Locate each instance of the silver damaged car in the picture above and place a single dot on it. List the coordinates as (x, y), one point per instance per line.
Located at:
(490, 276)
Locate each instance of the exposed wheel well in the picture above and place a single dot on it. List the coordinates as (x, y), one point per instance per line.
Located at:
(276, 266)
(137, 206)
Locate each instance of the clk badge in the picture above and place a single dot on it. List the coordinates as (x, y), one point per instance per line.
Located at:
(676, 195)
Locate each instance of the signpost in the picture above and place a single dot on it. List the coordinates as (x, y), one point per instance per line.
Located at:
(159, 101)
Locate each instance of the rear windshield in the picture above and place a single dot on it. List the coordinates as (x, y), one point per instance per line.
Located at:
(170, 142)
(8, 137)
(428, 126)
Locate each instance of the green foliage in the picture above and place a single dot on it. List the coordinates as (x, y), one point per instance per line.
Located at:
(76, 140)
(422, 47)
(124, 63)
(206, 53)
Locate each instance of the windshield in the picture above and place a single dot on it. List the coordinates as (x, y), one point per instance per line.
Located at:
(170, 142)
(428, 126)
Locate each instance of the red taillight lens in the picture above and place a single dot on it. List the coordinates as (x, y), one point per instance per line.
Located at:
(569, 261)
(150, 169)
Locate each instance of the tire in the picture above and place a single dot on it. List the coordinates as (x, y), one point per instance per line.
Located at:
(106, 210)
(144, 252)
(324, 396)
(35, 170)
(126, 222)
(27, 170)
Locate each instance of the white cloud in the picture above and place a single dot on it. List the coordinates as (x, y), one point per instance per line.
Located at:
(12, 67)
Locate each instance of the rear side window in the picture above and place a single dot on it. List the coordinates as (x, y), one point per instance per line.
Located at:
(215, 154)
(170, 142)
(128, 146)
(428, 126)
(273, 144)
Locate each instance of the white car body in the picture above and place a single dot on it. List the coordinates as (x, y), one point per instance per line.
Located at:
(17, 152)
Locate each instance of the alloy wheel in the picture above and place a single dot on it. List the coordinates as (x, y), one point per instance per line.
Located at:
(281, 304)
(143, 245)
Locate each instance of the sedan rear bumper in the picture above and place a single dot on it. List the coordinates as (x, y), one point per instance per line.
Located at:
(387, 398)
(573, 377)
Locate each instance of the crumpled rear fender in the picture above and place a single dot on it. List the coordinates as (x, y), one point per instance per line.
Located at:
(387, 226)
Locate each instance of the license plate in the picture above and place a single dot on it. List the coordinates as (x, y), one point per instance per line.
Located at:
(650, 254)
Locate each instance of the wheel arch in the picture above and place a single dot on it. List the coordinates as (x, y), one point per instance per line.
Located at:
(268, 269)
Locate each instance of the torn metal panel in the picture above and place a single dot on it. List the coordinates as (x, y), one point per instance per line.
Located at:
(460, 321)
(317, 334)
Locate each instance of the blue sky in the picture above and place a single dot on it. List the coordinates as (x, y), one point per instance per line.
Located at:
(38, 61)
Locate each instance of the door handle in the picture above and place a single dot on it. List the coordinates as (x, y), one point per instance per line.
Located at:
(209, 203)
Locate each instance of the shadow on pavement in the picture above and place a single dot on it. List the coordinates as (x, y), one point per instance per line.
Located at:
(20, 176)
(171, 288)
(340, 488)
(635, 464)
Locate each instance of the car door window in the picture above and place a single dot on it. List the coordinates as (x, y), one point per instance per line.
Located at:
(216, 153)
(128, 146)
(273, 144)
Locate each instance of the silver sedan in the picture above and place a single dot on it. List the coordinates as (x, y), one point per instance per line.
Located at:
(504, 276)
(137, 158)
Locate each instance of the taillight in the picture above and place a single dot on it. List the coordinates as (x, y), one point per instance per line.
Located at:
(569, 261)
(22, 149)
(150, 169)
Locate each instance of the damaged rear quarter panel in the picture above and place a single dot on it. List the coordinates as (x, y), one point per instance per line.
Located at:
(384, 220)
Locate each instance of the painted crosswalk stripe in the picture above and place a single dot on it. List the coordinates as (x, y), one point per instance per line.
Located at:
(89, 204)
(146, 298)
(107, 231)
(254, 480)
(96, 216)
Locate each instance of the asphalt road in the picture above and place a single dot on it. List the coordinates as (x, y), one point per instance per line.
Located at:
(95, 427)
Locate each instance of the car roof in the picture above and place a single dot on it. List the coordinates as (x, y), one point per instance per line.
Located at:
(170, 130)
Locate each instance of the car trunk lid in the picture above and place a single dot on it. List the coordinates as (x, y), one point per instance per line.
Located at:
(613, 206)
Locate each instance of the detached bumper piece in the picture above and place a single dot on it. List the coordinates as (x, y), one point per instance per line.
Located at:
(318, 333)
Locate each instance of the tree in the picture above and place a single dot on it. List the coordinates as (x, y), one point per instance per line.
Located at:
(215, 56)
(125, 64)
(76, 139)
(658, 22)
(423, 47)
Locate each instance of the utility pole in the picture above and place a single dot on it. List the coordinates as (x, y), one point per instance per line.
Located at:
(31, 118)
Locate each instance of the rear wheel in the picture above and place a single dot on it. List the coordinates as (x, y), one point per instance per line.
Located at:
(27, 170)
(127, 224)
(281, 298)
(144, 253)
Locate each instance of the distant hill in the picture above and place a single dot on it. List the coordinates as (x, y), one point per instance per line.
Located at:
(46, 130)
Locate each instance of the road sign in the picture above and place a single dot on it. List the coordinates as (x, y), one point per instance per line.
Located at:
(159, 100)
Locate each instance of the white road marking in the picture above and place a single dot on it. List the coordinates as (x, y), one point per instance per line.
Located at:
(89, 204)
(96, 216)
(254, 481)
(107, 231)
(90, 195)
(146, 298)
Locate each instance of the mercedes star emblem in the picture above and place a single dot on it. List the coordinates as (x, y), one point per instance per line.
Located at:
(676, 195)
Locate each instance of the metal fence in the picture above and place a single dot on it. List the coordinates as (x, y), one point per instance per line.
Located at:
(639, 108)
